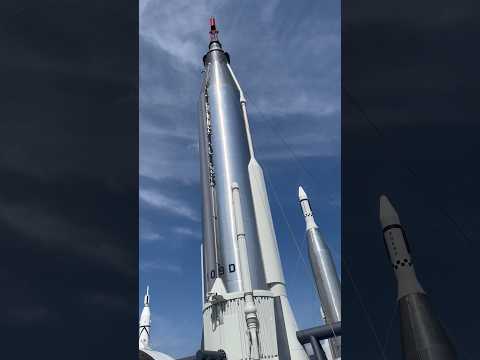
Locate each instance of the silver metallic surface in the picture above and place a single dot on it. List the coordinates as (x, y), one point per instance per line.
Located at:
(208, 216)
(423, 337)
(229, 156)
(326, 280)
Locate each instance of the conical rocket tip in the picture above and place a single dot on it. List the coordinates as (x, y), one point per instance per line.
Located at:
(147, 297)
(388, 214)
(301, 194)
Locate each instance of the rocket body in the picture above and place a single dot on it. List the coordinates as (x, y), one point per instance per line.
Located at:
(326, 279)
(246, 316)
(324, 272)
(422, 335)
(225, 159)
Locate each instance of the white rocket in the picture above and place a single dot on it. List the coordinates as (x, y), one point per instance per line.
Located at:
(323, 268)
(145, 350)
(246, 311)
(422, 335)
(144, 325)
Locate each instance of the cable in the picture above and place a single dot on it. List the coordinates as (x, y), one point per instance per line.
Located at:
(277, 199)
(287, 145)
(409, 169)
(302, 168)
(364, 308)
(292, 234)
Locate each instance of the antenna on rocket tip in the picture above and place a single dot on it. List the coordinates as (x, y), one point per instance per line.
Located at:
(213, 30)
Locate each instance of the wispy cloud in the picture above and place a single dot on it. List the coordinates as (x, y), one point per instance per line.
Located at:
(167, 204)
(175, 26)
(168, 146)
(187, 232)
(151, 236)
(158, 265)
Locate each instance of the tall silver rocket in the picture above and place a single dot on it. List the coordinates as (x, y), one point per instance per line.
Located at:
(422, 335)
(225, 157)
(247, 318)
(323, 268)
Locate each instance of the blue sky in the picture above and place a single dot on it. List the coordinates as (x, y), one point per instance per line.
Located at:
(286, 56)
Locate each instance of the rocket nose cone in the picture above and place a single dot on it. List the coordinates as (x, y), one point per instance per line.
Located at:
(301, 194)
(146, 300)
(388, 214)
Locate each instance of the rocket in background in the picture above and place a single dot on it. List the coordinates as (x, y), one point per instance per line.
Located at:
(144, 325)
(324, 272)
(422, 335)
(246, 318)
(145, 350)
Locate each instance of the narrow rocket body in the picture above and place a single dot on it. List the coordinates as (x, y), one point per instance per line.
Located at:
(144, 325)
(225, 158)
(422, 335)
(326, 279)
(324, 272)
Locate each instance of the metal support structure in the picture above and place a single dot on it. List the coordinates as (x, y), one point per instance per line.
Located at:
(317, 349)
(210, 355)
(315, 334)
(320, 332)
(250, 308)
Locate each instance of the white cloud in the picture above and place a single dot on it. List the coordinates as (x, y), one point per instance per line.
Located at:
(187, 232)
(151, 236)
(169, 145)
(158, 265)
(167, 204)
(177, 27)
(302, 102)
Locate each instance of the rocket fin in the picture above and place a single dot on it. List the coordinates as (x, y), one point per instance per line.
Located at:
(287, 328)
(266, 233)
